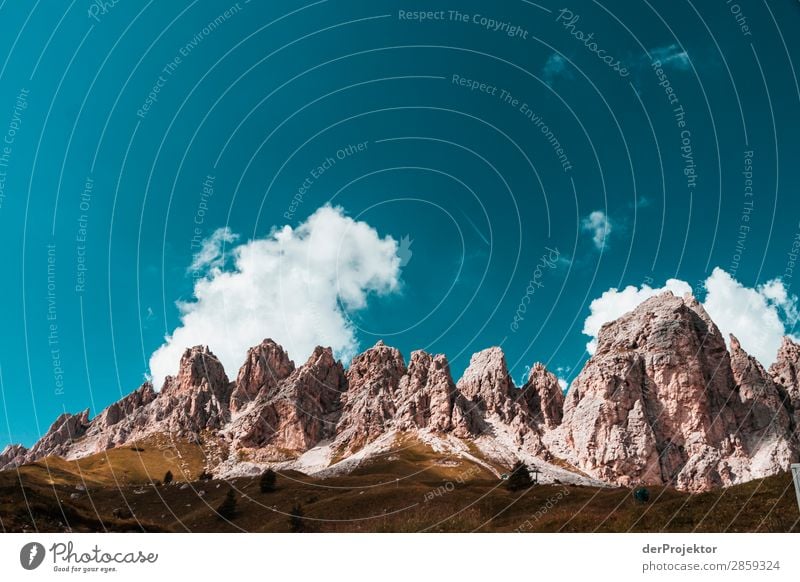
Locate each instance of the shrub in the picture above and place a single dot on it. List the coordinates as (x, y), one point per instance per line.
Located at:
(267, 483)
(227, 509)
(519, 478)
(296, 523)
(641, 494)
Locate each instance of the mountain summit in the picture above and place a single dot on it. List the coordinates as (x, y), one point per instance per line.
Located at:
(662, 401)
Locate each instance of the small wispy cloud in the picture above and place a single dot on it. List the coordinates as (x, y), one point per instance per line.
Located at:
(671, 56)
(556, 66)
(562, 372)
(211, 254)
(599, 226)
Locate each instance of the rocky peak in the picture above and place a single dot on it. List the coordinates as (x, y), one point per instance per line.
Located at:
(126, 406)
(300, 412)
(764, 403)
(194, 400)
(486, 382)
(267, 364)
(377, 371)
(199, 368)
(12, 456)
(321, 375)
(745, 367)
(692, 303)
(786, 371)
(661, 401)
(131, 417)
(657, 401)
(544, 397)
(368, 407)
(57, 440)
(488, 403)
(657, 322)
(765, 414)
(426, 393)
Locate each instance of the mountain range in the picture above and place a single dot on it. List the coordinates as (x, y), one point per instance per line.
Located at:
(662, 401)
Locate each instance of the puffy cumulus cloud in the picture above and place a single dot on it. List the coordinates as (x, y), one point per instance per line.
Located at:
(614, 303)
(599, 226)
(295, 286)
(758, 316)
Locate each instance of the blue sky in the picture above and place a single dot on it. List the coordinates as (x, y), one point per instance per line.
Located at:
(489, 138)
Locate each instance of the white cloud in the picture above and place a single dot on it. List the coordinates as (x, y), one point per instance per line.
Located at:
(615, 303)
(758, 317)
(599, 226)
(295, 286)
(211, 256)
(561, 372)
(777, 294)
(671, 56)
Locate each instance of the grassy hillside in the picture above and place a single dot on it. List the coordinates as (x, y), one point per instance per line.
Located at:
(406, 490)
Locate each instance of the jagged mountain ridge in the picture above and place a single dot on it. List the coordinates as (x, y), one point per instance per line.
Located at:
(662, 401)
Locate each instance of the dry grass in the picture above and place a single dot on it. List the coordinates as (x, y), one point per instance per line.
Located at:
(144, 462)
(408, 489)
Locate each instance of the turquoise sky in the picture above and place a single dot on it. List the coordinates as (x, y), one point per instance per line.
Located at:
(620, 134)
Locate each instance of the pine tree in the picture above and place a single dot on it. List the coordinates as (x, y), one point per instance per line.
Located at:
(268, 479)
(167, 478)
(227, 509)
(296, 524)
(520, 478)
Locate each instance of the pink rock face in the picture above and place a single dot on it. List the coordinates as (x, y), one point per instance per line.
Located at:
(194, 400)
(487, 384)
(57, 440)
(114, 425)
(544, 397)
(266, 366)
(12, 456)
(426, 394)
(660, 402)
(199, 369)
(489, 397)
(765, 417)
(786, 373)
(656, 401)
(369, 402)
(300, 412)
(124, 408)
(606, 430)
